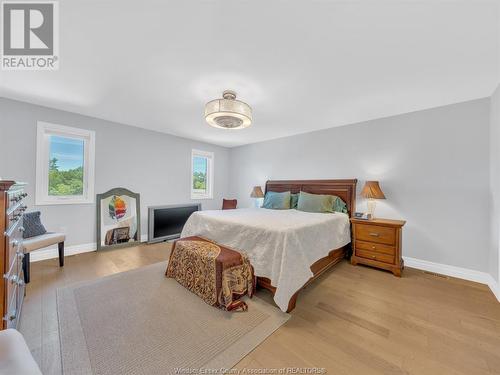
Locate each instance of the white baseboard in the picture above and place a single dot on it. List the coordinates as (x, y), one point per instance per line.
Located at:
(458, 272)
(495, 287)
(51, 252)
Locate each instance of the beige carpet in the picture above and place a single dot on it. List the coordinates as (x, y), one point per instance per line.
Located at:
(139, 322)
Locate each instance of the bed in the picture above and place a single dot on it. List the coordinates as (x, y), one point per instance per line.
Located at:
(287, 248)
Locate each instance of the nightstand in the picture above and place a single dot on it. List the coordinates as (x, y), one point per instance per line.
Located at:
(377, 243)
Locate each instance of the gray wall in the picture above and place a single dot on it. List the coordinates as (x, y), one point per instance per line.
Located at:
(495, 183)
(432, 164)
(156, 165)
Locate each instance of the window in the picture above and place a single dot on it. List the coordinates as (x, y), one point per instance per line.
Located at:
(64, 165)
(202, 171)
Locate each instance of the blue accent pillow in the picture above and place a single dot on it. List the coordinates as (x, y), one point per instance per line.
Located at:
(320, 203)
(339, 205)
(277, 201)
(294, 200)
(315, 202)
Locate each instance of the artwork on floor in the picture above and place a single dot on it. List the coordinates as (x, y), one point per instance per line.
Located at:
(118, 219)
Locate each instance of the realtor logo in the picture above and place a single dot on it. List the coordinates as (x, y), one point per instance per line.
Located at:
(30, 35)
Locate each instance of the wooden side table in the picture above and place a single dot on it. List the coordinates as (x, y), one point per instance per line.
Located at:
(377, 243)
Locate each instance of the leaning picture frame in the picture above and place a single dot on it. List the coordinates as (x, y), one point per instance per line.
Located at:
(118, 219)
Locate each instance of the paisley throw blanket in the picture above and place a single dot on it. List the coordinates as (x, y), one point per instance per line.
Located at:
(217, 274)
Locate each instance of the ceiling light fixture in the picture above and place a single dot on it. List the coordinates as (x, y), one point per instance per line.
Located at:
(228, 113)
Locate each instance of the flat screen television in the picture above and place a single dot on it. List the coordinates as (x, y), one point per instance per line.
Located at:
(166, 222)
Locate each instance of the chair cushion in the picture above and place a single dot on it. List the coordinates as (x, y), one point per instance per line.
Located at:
(15, 357)
(39, 242)
(32, 224)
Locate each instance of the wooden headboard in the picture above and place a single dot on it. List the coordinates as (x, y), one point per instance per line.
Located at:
(345, 189)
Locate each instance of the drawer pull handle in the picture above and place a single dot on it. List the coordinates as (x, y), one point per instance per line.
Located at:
(374, 234)
(374, 257)
(10, 317)
(373, 247)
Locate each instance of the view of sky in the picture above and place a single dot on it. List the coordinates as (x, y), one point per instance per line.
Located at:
(200, 165)
(67, 151)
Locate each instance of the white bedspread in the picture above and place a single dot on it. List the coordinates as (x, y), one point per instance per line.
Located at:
(281, 244)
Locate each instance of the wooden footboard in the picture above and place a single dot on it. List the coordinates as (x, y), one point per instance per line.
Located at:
(317, 269)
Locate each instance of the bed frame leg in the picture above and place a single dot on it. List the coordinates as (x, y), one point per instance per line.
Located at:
(292, 302)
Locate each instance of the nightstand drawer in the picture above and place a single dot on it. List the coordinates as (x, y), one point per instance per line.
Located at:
(378, 247)
(375, 256)
(376, 233)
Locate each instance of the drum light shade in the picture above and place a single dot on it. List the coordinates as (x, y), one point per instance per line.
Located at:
(228, 113)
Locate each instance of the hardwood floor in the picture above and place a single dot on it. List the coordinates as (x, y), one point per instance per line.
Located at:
(352, 320)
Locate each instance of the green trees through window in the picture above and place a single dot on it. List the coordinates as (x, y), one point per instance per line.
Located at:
(202, 170)
(68, 182)
(65, 166)
(199, 180)
(200, 165)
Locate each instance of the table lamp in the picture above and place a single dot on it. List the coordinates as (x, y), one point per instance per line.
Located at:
(257, 194)
(372, 191)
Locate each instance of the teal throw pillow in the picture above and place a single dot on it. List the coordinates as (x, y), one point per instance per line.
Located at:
(339, 205)
(277, 201)
(315, 202)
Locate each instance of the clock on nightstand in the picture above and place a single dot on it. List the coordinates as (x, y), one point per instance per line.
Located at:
(377, 243)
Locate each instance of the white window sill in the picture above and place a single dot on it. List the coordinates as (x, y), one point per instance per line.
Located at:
(63, 201)
(201, 197)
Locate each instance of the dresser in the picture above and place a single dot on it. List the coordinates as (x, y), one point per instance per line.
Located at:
(377, 243)
(11, 230)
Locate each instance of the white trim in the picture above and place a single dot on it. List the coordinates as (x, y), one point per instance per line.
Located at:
(210, 174)
(495, 287)
(42, 150)
(52, 252)
(453, 271)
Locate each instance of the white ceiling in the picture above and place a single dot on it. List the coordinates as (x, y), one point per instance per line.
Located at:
(301, 65)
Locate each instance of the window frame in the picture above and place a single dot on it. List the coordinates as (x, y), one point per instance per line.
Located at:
(210, 174)
(44, 131)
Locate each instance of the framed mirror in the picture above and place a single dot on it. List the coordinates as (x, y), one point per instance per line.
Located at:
(118, 219)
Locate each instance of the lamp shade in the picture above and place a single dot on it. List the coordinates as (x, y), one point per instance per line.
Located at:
(372, 190)
(257, 192)
(228, 113)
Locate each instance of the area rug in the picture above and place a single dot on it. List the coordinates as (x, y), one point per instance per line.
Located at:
(140, 322)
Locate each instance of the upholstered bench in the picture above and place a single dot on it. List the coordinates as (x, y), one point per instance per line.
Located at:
(35, 237)
(218, 275)
(15, 357)
(40, 242)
